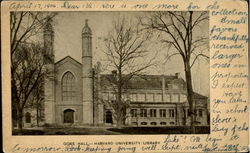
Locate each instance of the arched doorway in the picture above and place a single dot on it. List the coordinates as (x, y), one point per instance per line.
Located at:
(68, 116)
(109, 117)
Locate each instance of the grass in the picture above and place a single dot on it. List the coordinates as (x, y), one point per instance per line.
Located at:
(66, 131)
(112, 131)
(161, 130)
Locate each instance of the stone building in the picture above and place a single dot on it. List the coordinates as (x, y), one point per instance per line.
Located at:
(74, 93)
(155, 100)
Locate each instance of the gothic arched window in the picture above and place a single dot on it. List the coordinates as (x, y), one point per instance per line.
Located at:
(68, 86)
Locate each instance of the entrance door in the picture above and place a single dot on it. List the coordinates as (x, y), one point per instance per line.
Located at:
(69, 116)
(109, 117)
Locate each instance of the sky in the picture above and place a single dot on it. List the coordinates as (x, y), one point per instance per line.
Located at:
(68, 42)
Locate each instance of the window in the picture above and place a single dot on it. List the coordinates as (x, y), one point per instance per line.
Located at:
(152, 112)
(133, 97)
(163, 123)
(162, 113)
(133, 112)
(171, 113)
(153, 123)
(143, 113)
(200, 113)
(68, 86)
(175, 98)
(150, 97)
(141, 97)
(158, 97)
(27, 117)
(108, 117)
(168, 97)
(172, 123)
(144, 123)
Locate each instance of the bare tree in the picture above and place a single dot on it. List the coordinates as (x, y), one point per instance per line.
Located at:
(180, 32)
(36, 102)
(125, 49)
(27, 57)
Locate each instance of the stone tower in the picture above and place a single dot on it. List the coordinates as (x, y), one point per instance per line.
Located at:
(49, 86)
(87, 75)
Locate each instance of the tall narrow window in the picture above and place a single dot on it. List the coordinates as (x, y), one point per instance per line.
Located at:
(143, 113)
(152, 112)
(171, 113)
(133, 112)
(68, 86)
(162, 112)
(200, 113)
(27, 117)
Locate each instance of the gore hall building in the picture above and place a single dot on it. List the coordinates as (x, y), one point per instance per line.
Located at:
(74, 93)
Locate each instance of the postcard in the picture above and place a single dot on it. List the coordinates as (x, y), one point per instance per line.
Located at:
(125, 76)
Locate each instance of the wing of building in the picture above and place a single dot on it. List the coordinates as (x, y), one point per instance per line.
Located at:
(155, 100)
(76, 94)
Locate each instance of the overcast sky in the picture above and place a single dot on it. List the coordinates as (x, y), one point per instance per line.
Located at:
(68, 27)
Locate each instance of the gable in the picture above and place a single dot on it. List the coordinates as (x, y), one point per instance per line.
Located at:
(68, 64)
(68, 60)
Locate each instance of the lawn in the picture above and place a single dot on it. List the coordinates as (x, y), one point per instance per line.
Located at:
(67, 131)
(161, 130)
(112, 131)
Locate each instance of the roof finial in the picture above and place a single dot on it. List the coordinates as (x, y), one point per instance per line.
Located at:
(86, 29)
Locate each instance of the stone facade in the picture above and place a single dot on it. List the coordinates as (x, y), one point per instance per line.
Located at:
(71, 89)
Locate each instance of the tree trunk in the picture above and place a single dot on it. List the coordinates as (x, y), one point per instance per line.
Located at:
(184, 115)
(37, 114)
(20, 122)
(119, 99)
(119, 123)
(190, 97)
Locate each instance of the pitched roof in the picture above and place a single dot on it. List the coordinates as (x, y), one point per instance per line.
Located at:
(143, 81)
(70, 59)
